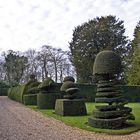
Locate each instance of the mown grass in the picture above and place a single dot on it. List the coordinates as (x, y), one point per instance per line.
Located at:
(81, 121)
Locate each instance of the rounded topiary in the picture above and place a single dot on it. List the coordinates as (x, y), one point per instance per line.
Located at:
(107, 62)
(32, 83)
(31, 80)
(113, 115)
(69, 78)
(66, 85)
(48, 85)
(69, 87)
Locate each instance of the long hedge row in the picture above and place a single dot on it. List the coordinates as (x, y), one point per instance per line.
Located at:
(86, 91)
(131, 93)
(16, 93)
(3, 91)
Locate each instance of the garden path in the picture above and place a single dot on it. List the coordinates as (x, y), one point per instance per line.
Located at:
(17, 122)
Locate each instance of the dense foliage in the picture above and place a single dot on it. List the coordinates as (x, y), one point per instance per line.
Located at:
(14, 66)
(134, 69)
(92, 37)
(113, 114)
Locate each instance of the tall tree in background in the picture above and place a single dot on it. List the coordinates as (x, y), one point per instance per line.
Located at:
(14, 66)
(57, 57)
(49, 61)
(33, 64)
(94, 36)
(43, 58)
(134, 69)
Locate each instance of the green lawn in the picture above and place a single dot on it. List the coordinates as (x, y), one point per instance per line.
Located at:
(81, 121)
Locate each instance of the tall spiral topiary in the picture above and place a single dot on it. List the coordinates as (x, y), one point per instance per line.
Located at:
(113, 114)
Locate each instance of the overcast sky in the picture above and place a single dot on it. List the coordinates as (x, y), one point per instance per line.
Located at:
(28, 24)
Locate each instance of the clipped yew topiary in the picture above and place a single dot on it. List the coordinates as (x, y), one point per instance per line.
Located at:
(48, 85)
(47, 94)
(31, 87)
(32, 82)
(70, 105)
(113, 114)
(47, 100)
(69, 78)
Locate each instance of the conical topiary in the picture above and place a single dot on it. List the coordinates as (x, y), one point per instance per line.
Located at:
(113, 114)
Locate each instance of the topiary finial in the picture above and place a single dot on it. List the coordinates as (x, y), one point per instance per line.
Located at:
(107, 62)
(69, 87)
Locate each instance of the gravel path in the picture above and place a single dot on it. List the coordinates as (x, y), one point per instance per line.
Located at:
(18, 122)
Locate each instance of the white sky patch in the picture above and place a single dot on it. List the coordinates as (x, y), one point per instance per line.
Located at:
(28, 24)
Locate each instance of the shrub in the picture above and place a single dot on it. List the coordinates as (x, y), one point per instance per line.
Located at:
(30, 99)
(107, 65)
(16, 93)
(47, 101)
(3, 91)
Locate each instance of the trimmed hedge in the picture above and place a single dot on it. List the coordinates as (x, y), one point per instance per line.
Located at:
(106, 123)
(131, 93)
(30, 99)
(88, 92)
(47, 100)
(66, 107)
(108, 114)
(16, 93)
(3, 91)
(107, 94)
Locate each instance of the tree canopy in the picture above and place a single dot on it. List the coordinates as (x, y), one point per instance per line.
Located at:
(93, 36)
(14, 66)
(134, 69)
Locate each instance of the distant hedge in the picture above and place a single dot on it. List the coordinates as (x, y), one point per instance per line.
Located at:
(16, 93)
(4, 88)
(131, 93)
(3, 91)
(86, 91)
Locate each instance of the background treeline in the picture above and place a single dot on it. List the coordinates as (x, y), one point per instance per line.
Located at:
(15, 67)
(88, 39)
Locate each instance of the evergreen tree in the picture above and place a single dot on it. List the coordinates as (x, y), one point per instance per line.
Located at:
(134, 69)
(14, 66)
(92, 37)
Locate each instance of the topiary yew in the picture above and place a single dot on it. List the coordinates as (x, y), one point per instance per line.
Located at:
(47, 94)
(113, 114)
(70, 106)
(69, 87)
(47, 86)
(69, 78)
